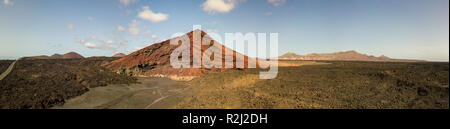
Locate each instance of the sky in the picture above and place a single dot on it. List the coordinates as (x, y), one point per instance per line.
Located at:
(403, 29)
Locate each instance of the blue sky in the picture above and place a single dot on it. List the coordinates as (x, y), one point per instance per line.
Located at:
(407, 29)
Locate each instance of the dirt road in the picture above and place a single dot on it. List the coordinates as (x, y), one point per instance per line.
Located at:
(152, 93)
(7, 71)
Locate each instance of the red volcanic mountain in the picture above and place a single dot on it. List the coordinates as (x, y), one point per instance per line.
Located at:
(119, 55)
(154, 60)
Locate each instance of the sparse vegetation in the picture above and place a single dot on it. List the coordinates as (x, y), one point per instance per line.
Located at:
(4, 64)
(302, 85)
(47, 82)
(341, 85)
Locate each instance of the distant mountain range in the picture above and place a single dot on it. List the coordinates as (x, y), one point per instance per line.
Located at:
(342, 56)
(138, 59)
(70, 55)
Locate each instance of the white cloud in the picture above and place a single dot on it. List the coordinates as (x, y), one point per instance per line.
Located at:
(154, 37)
(90, 45)
(149, 15)
(108, 42)
(8, 2)
(120, 29)
(70, 26)
(276, 2)
(93, 42)
(221, 6)
(133, 28)
(268, 13)
(127, 2)
(87, 44)
(90, 18)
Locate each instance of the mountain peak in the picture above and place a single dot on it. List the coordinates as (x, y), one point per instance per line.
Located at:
(72, 55)
(384, 57)
(350, 52)
(154, 60)
(290, 53)
(119, 55)
(190, 34)
(72, 52)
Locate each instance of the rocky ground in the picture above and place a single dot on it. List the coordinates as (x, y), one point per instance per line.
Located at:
(336, 85)
(150, 93)
(4, 65)
(48, 82)
(84, 83)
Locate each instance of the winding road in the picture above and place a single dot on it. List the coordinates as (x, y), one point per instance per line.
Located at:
(4, 74)
(150, 93)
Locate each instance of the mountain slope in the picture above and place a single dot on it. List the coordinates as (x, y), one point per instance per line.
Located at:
(340, 56)
(119, 55)
(154, 60)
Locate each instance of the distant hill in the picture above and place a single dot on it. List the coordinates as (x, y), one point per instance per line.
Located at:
(341, 56)
(70, 55)
(97, 57)
(119, 55)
